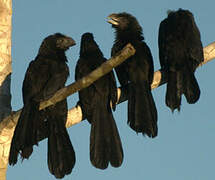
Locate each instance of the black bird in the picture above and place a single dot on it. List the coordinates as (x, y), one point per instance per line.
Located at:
(180, 51)
(105, 143)
(138, 70)
(45, 75)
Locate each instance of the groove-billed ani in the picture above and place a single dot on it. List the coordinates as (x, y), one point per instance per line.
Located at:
(180, 51)
(105, 143)
(138, 70)
(45, 75)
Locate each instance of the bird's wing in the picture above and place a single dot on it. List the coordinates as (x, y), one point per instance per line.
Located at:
(148, 56)
(162, 44)
(194, 42)
(42, 79)
(113, 89)
(121, 70)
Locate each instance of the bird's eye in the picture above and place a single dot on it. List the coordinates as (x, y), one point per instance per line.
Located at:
(59, 43)
(59, 40)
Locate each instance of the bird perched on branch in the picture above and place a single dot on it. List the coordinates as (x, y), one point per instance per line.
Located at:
(138, 70)
(180, 51)
(45, 75)
(105, 143)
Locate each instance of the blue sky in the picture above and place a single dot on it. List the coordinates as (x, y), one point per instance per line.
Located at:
(184, 148)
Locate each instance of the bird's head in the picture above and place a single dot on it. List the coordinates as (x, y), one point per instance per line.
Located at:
(180, 12)
(56, 42)
(87, 37)
(126, 25)
(88, 45)
(123, 21)
(63, 42)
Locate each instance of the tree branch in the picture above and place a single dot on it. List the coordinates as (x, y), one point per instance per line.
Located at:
(84, 82)
(160, 77)
(75, 114)
(10, 121)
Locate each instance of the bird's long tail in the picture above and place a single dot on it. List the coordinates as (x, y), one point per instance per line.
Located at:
(174, 90)
(191, 89)
(105, 142)
(142, 112)
(25, 134)
(61, 155)
(181, 82)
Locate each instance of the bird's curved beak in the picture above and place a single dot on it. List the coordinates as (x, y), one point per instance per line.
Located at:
(65, 43)
(112, 19)
(70, 42)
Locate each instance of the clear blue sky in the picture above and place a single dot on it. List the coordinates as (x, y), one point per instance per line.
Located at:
(185, 146)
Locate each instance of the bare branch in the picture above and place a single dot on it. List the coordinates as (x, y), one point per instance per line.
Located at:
(105, 68)
(75, 114)
(7, 126)
(10, 121)
(160, 78)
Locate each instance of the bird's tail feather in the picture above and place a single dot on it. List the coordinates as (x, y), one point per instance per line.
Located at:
(25, 134)
(105, 143)
(174, 90)
(142, 112)
(191, 89)
(181, 82)
(61, 155)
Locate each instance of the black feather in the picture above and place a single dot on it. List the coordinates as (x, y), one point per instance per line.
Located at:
(138, 70)
(105, 143)
(45, 75)
(180, 51)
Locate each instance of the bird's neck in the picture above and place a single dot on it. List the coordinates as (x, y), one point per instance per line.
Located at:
(58, 56)
(129, 36)
(91, 54)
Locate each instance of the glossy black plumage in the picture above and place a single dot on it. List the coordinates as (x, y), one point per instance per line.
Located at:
(180, 51)
(45, 75)
(138, 70)
(105, 143)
